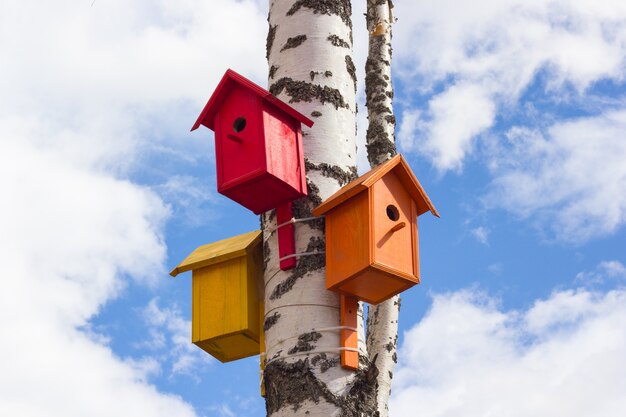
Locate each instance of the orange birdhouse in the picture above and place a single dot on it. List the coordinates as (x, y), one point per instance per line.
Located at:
(371, 233)
(226, 296)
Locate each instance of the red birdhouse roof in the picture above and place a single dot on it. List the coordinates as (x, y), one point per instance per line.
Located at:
(401, 168)
(229, 81)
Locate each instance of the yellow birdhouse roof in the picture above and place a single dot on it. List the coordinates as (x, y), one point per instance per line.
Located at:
(221, 251)
(397, 165)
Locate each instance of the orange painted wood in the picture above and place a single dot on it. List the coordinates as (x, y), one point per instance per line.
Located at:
(371, 233)
(397, 164)
(392, 249)
(347, 229)
(349, 338)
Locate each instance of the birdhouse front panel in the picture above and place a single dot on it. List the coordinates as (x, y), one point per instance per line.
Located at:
(394, 231)
(239, 139)
(225, 312)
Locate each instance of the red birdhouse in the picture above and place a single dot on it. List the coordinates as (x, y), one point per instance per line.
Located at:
(258, 143)
(371, 233)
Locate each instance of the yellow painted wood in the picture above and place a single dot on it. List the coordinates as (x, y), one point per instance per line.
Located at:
(216, 252)
(225, 296)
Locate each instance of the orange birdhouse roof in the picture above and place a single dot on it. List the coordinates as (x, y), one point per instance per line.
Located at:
(221, 251)
(229, 81)
(397, 165)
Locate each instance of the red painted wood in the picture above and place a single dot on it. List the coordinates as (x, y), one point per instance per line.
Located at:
(258, 142)
(286, 236)
(230, 80)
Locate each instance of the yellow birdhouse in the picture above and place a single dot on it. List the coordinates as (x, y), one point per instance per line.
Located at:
(371, 233)
(225, 296)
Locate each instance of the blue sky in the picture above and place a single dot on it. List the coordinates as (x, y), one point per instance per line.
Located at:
(511, 113)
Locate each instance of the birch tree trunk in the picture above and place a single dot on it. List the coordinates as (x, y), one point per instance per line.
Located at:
(309, 52)
(382, 319)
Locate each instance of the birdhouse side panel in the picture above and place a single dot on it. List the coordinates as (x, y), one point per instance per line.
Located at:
(218, 298)
(415, 245)
(254, 285)
(239, 139)
(394, 224)
(347, 240)
(283, 145)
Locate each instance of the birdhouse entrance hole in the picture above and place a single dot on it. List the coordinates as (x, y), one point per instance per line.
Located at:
(392, 212)
(239, 124)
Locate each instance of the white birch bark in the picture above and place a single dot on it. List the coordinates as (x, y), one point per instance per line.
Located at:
(382, 320)
(309, 52)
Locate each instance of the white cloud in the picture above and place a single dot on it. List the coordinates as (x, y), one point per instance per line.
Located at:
(496, 268)
(171, 337)
(562, 356)
(191, 199)
(473, 60)
(481, 234)
(613, 270)
(69, 235)
(570, 178)
(87, 92)
(446, 134)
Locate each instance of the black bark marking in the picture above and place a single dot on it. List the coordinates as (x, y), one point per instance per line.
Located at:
(374, 82)
(270, 321)
(332, 171)
(351, 70)
(291, 384)
(379, 97)
(273, 70)
(324, 363)
(304, 91)
(378, 93)
(271, 34)
(337, 41)
(304, 265)
(361, 398)
(303, 207)
(381, 108)
(341, 8)
(378, 143)
(305, 342)
(315, 113)
(399, 303)
(264, 219)
(293, 42)
(389, 346)
(326, 73)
